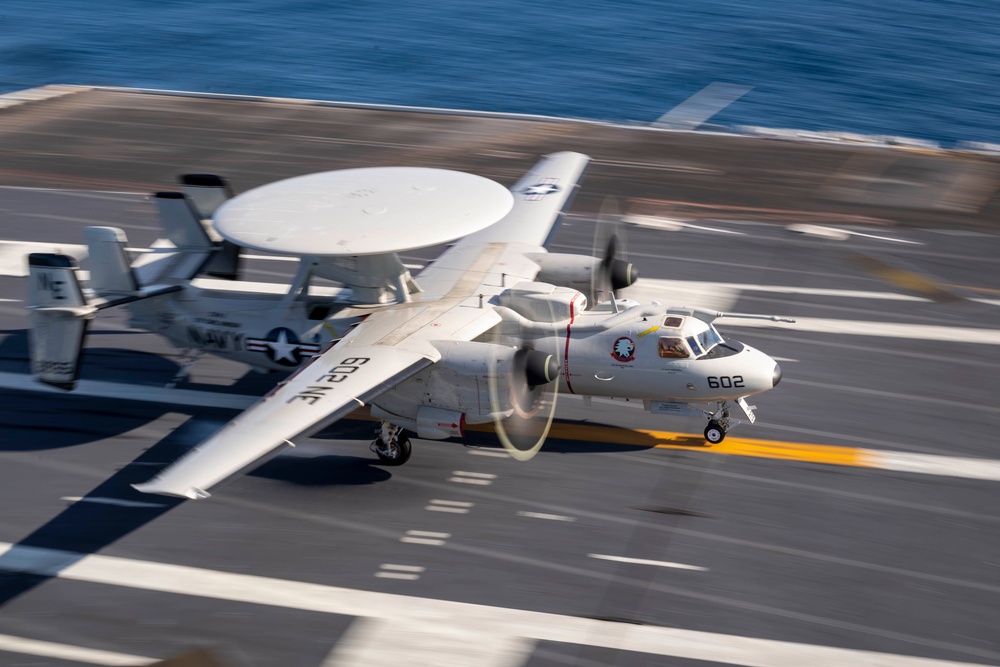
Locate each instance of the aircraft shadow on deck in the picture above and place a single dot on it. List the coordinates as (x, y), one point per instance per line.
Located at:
(94, 522)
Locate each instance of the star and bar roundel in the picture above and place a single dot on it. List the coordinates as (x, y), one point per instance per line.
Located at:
(282, 346)
(537, 191)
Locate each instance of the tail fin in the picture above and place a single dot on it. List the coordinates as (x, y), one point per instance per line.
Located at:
(110, 269)
(207, 192)
(181, 221)
(60, 316)
(184, 250)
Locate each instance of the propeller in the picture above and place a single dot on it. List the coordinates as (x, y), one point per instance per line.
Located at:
(614, 272)
(529, 390)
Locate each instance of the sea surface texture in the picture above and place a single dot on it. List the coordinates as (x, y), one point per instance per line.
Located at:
(926, 69)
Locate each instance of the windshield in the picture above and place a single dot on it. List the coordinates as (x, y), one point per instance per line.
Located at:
(709, 338)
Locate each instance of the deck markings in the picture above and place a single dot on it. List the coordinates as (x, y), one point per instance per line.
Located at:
(479, 478)
(549, 517)
(490, 452)
(403, 572)
(425, 537)
(451, 506)
(644, 561)
(435, 628)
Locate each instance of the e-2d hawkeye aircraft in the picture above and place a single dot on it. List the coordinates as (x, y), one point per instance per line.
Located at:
(475, 337)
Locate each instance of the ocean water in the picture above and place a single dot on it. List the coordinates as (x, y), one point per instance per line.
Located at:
(927, 69)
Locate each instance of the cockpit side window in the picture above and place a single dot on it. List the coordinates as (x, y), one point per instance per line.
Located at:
(695, 347)
(672, 321)
(672, 347)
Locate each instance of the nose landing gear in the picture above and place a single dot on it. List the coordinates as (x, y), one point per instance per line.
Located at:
(720, 421)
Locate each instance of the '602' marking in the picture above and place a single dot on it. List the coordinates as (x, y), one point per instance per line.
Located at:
(338, 373)
(725, 382)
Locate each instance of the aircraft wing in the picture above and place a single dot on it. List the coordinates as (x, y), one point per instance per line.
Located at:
(327, 389)
(393, 343)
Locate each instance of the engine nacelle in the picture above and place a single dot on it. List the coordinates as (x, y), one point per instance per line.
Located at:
(542, 302)
(582, 271)
(472, 383)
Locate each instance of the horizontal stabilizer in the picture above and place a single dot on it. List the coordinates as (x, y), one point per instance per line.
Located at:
(59, 316)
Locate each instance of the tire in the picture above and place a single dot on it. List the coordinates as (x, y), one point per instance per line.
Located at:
(714, 433)
(401, 453)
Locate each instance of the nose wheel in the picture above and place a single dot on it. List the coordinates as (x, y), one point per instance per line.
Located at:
(391, 445)
(714, 432)
(719, 423)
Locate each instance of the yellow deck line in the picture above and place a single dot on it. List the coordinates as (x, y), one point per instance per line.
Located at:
(733, 446)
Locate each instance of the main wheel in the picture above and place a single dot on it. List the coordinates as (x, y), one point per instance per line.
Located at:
(714, 433)
(395, 454)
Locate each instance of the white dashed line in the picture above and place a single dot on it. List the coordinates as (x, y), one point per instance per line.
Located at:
(643, 561)
(397, 575)
(424, 537)
(463, 477)
(490, 452)
(550, 517)
(453, 506)
(404, 572)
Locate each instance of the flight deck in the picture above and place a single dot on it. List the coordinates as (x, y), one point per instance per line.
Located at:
(855, 523)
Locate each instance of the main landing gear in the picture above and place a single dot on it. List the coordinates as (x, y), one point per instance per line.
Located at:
(719, 423)
(391, 445)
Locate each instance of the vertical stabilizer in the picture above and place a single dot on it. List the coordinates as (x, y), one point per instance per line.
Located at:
(181, 222)
(110, 270)
(59, 315)
(207, 192)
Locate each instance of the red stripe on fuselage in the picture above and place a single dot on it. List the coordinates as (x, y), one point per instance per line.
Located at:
(572, 316)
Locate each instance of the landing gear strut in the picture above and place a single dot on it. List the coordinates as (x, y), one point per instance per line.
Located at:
(719, 423)
(391, 445)
(188, 360)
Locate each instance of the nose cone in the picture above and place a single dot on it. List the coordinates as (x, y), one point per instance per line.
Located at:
(776, 377)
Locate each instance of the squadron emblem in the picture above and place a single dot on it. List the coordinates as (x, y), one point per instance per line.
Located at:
(623, 350)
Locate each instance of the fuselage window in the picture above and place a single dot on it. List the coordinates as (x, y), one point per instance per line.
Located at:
(673, 348)
(672, 321)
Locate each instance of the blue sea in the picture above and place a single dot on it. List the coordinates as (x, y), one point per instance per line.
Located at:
(926, 69)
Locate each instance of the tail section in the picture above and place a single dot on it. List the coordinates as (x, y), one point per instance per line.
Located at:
(110, 268)
(207, 192)
(183, 251)
(59, 315)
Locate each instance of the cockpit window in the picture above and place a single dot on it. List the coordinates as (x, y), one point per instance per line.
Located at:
(709, 338)
(673, 348)
(672, 321)
(695, 347)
